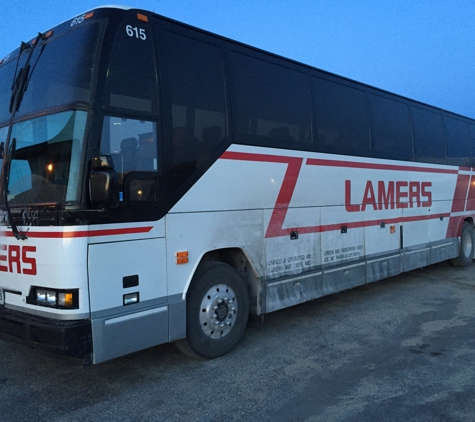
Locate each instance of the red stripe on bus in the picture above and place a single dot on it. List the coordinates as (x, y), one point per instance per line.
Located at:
(283, 199)
(471, 195)
(84, 233)
(247, 156)
(460, 194)
(454, 228)
(294, 164)
(267, 158)
(374, 166)
(361, 224)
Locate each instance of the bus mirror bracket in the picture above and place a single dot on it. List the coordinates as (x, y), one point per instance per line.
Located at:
(103, 182)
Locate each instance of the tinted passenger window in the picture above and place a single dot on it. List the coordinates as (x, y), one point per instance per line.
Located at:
(342, 124)
(197, 90)
(429, 137)
(270, 101)
(390, 129)
(458, 142)
(131, 78)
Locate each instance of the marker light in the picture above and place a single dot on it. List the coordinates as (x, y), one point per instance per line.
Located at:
(181, 257)
(142, 18)
(131, 298)
(48, 34)
(65, 299)
(43, 37)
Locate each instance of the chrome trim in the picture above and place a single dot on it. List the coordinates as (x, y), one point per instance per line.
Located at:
(442, 245)
(418, 250)
(370, 261)
(346, 267)
(294, 279)
(135, 315)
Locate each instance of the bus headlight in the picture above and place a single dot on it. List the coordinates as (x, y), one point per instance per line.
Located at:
(54, 298)
(41, 295)
(50, 297)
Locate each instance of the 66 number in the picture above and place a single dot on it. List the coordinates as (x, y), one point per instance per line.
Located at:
(133, 31)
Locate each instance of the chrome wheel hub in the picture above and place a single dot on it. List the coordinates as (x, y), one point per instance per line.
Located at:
(218, 311)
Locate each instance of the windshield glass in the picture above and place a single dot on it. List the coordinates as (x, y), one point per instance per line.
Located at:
(60, 72)
(45, 164)
(3, 141)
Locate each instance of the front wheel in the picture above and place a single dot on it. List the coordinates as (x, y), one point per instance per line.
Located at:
(467, 247)
(217, 309)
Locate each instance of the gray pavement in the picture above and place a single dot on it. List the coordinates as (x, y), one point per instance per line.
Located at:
(397, 350)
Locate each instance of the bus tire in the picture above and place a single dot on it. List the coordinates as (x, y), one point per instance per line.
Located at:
(217, 309)
(467, 247)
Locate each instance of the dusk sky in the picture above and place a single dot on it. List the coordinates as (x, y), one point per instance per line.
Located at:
(422, 49)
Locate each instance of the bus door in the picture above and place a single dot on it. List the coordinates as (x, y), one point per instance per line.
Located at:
(127, 269)
(128, 290)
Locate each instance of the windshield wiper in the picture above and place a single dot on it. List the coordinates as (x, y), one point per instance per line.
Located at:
(19, 235)
(19, 86)
(21, 80)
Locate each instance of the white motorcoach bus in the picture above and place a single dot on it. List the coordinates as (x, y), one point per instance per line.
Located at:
(162, 184)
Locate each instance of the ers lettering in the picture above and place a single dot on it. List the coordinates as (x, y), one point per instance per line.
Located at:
(383, 196)
(17, 259)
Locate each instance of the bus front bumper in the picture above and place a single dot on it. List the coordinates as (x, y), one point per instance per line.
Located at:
(67, 338)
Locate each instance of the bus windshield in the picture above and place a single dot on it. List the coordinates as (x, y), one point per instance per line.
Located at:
(44, 152)
(45, 159)
(59, 72)
(3, 138)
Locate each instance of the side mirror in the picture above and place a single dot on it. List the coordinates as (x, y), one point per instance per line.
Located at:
(103, 182)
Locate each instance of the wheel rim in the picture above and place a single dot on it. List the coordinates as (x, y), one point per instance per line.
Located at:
(467, 243)
(218, 311)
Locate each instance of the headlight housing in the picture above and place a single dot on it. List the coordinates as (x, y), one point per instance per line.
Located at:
(54, 298)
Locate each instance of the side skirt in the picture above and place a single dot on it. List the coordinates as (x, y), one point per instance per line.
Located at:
(116, 336)
(289, 291)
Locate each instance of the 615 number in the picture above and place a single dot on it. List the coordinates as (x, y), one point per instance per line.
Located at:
(133, 31)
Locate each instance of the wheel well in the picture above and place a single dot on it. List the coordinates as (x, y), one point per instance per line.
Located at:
(237, 259)
(468, 220)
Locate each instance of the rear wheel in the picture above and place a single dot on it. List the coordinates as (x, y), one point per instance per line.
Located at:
(467, 247)
(217, 310)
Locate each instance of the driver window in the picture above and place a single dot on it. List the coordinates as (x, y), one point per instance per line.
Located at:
(131, 143)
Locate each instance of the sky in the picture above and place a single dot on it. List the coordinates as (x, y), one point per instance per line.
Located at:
(421, 49)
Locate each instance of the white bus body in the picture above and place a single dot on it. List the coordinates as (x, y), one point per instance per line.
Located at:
(304, 225)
